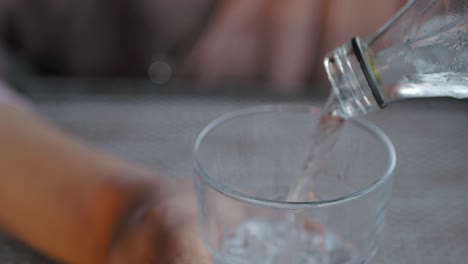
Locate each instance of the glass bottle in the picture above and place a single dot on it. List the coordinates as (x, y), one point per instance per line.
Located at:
(421, 52)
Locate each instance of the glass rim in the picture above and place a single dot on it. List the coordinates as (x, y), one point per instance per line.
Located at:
(226, 190)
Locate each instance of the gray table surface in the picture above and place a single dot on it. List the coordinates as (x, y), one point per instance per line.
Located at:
(428, 215)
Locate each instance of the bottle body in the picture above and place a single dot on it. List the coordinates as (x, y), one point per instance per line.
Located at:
(421, 52)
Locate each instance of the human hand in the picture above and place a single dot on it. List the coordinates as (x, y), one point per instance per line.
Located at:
(78, 204)
(281, 41)
(166, 233)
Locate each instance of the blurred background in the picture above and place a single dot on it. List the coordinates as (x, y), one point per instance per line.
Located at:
(141, 78)
(262, 47)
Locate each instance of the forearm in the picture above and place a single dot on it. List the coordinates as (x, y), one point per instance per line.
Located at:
(59, 195)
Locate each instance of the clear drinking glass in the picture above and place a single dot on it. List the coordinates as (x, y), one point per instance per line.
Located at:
(248, 161)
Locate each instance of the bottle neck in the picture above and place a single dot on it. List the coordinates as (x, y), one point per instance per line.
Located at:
(418, 54)
(354, 81)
